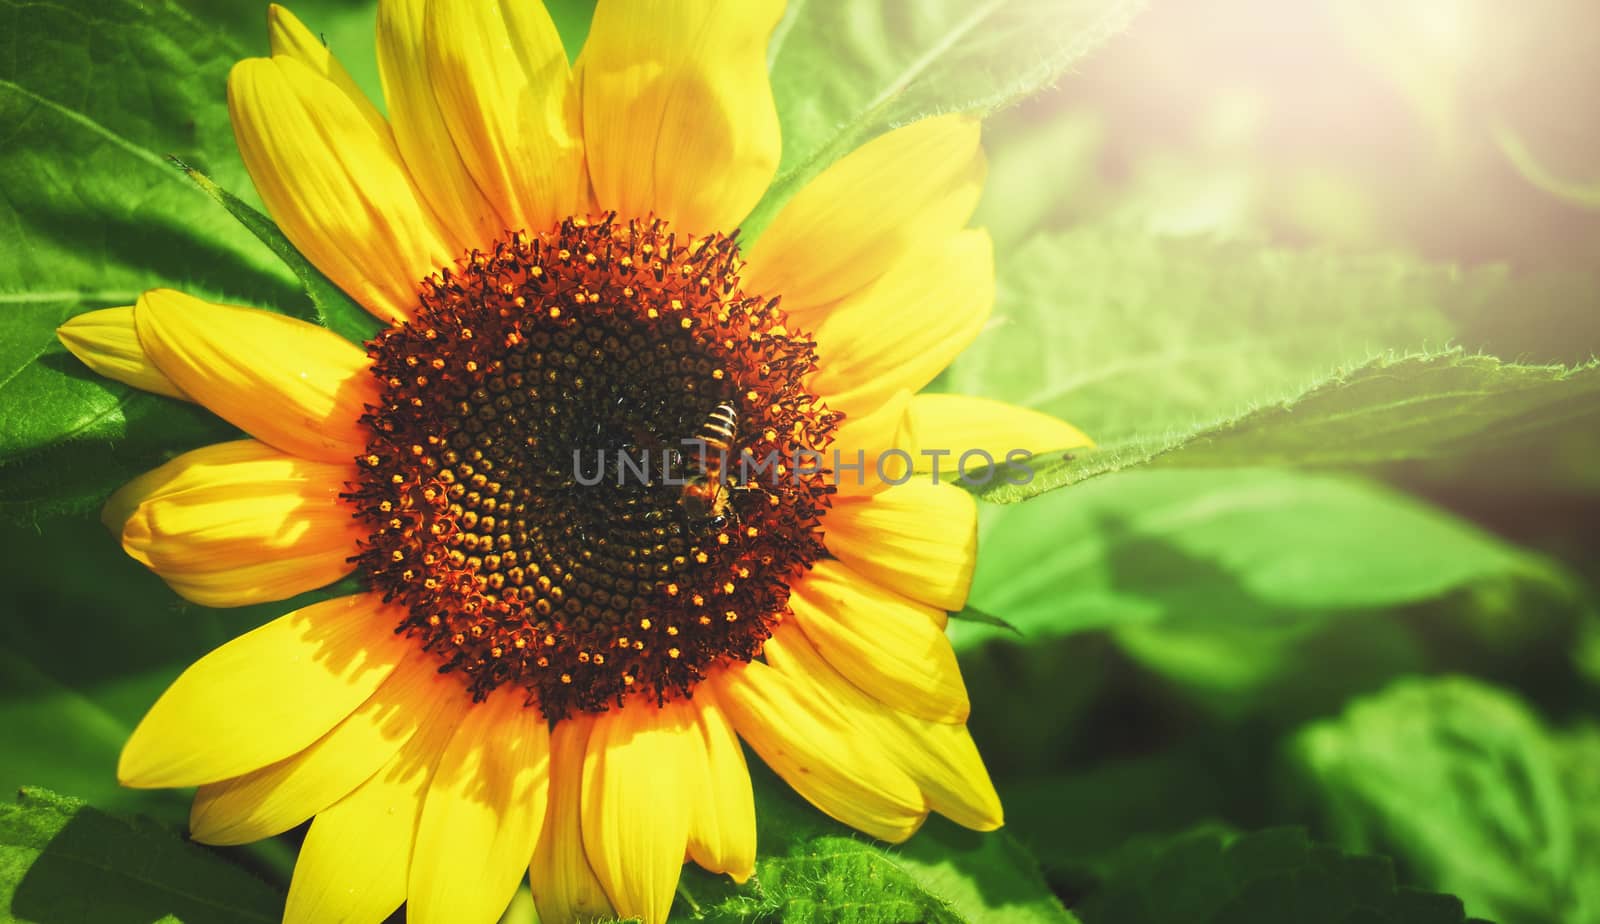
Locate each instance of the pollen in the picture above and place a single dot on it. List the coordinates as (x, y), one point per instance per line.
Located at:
(525, 500)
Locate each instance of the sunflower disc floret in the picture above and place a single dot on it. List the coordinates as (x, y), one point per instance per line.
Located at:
(503, 517)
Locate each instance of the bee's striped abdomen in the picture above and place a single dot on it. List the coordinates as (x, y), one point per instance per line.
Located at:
(720, 429)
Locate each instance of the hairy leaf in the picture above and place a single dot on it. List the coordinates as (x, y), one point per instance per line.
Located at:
(844, 72)
(1197, 354)
(812, 869)
(1391, 410)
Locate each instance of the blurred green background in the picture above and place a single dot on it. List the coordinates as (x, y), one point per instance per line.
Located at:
(1317, 617)
(1399, 654)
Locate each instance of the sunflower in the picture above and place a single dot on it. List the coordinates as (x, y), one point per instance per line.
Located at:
(548, 672)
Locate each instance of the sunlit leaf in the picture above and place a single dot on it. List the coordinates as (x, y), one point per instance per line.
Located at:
(844, 72)
(1257, 550)
(1042, 167)
(1412, 408)
(1189, 353)
(812, 869)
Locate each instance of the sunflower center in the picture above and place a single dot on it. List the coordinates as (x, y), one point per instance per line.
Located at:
(582, 474)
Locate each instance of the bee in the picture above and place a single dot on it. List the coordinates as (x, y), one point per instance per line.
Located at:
(707, 497)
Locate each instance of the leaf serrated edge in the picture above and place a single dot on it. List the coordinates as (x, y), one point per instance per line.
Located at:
(1005, 493)
(859, 126)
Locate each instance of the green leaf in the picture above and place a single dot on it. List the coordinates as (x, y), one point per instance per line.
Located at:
(844, 72)
(62, 860)
(572, 18)
(94, 98)
(331, 307)
(1076, 822)
(812, 869)
(1412, 408)
(1236, 586)
(1205, 354)
(68, 438)
(81, 660)
(1272, 876)
(1055, 683)
(1465, 784)
(1443, 406)
(1159, 554)
(968, 614)
(984, 877)
(74, 739)
(1043, 165)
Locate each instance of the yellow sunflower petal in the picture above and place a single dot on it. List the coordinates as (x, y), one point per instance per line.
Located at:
(870, 448)
(356, 858)
(482, 814)
(420, 131)
(635, 769)
(107, 342)
(194, 469)
(563, 883)
(888, 645)
(722, 820)
(278, 797)
(293, 385)
(905, 327)
(250, 532)
(891, 197)
(265, 695)
(836, 768)
(678, 116)
(950, 771)
(335, 185)
(288, 37)
(919, 539)
(939, 757)
(505, 91)
(960, 424)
